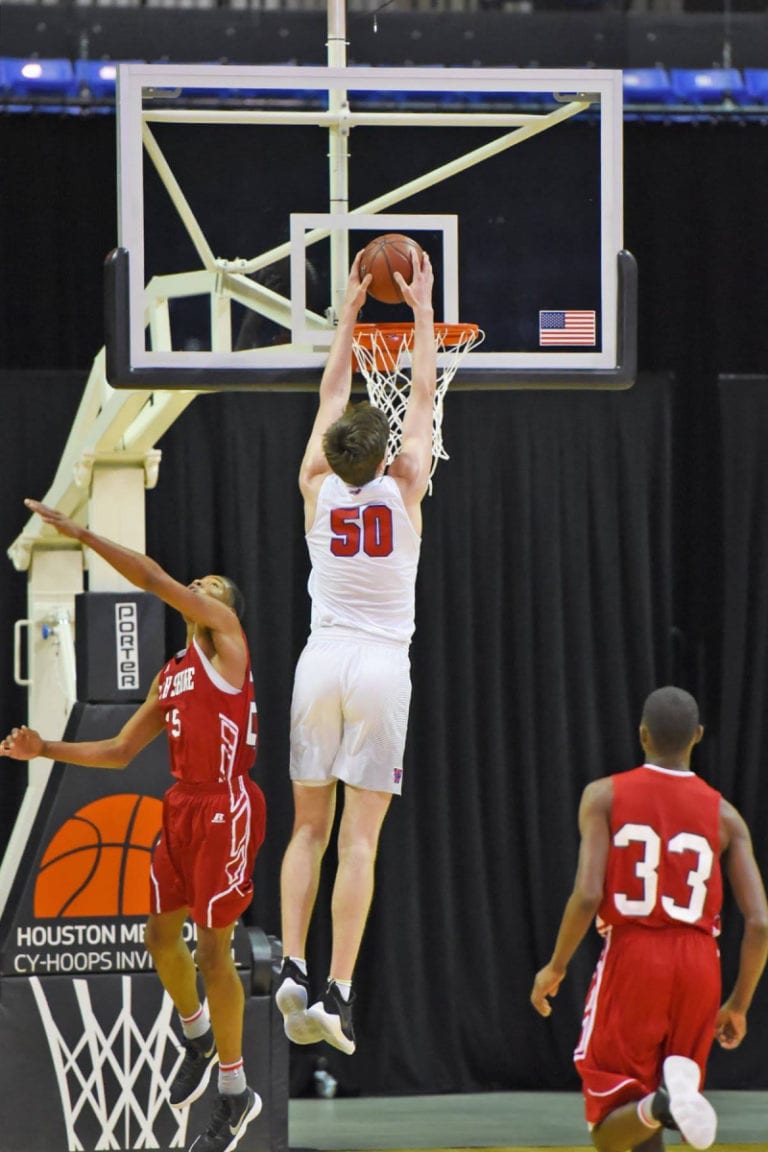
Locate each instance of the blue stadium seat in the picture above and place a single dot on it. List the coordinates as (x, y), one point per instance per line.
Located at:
(31, 77)
(647, 86)
(756, 85)
(707, 85)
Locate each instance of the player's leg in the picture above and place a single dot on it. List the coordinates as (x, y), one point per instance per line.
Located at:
(223, 989)
(314, 808)
(237, 1103)
(370, 763)
(377, 692)
(625, 1129)
(358, 841)
(178, 975)
(316, 728)
(173, 960)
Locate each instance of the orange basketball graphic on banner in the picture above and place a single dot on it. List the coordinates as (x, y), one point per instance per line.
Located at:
(97, 863)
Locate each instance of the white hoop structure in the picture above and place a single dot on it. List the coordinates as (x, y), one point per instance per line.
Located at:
(382, 354)
(112, 1074)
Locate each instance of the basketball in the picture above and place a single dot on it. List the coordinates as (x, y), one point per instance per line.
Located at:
(97, 862)
(384, 256)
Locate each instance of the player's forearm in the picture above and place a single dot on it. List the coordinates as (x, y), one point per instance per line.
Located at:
(577, 918)
(86, 753)
(337, 375)
(752, 961)
(424, 363)
(134, 566)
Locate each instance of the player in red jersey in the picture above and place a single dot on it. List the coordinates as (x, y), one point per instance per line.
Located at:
(213, 819)
(649, 866)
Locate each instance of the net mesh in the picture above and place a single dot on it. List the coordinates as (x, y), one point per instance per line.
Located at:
(382, 355)
(113, 1079)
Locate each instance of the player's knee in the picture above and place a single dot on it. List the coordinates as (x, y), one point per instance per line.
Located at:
(212, 955)
(313, 834)
(358, 852)
(158, 941)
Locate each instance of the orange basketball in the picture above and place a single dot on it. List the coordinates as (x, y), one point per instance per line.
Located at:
(382, 258)
(97, 863)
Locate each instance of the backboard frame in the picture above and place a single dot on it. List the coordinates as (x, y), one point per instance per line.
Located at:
(131, 364)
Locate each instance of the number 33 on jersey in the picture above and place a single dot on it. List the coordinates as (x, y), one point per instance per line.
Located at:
(664, 859)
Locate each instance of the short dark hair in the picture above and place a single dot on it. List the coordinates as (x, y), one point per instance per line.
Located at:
(671, 716)
(236, 598)
(355, 444)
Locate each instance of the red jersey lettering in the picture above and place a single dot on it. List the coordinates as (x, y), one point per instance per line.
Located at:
(212, 727)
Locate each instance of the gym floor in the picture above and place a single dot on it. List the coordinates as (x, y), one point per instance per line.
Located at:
(502, 1121)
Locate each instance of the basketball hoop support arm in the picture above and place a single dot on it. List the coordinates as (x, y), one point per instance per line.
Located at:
(338, 156)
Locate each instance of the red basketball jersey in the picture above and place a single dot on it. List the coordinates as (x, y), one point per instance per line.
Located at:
(212, 726)
(664, 859)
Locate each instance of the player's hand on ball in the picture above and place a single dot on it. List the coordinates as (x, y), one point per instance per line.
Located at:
(22, 744)
(418, 294)
(357, 285)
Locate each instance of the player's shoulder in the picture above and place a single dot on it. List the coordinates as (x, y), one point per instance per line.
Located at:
(731, 818)
(598, 794)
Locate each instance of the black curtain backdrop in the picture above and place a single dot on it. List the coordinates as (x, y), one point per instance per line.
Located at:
(579, 549)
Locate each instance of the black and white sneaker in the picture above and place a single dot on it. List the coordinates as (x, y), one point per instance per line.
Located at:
(333, 1015)
(230, 1117)
(292, 997)
(192, 1078)
(678, 1104)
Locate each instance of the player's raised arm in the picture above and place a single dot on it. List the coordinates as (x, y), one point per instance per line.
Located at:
(413, 464)
(336, 382)
(144, 572)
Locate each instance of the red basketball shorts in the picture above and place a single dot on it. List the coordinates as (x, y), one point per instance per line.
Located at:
(205, 856)
(654, 993)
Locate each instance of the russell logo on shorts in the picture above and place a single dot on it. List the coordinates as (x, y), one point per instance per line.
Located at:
(397, 775)
(218, 818)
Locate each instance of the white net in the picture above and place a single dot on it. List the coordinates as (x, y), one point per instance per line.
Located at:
(113, 1079)
(382, 353)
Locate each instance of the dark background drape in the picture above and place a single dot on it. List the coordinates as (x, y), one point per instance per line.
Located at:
(579, 549)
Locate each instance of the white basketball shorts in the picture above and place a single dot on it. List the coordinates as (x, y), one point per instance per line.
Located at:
(349, 713)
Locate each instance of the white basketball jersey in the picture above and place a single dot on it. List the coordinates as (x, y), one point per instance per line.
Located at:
(365, 553)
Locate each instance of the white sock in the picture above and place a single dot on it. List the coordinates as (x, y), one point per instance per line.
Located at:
(232, 1080)
(197, 1024)
(644, 1111)
(345, 987)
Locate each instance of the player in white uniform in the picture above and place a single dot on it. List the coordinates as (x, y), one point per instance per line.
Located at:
(352, 688)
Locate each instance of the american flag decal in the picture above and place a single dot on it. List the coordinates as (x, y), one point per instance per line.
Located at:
(567, 327)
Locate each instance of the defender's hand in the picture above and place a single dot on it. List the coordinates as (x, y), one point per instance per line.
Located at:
(22, 744)
(56, 519)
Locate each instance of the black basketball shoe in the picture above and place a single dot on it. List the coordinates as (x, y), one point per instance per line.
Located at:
(333, 1014)
(292, 997)
(192, 1078)
(230, 1117)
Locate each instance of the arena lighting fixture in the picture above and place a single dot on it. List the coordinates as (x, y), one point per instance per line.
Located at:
(96, 78)
(26, 77)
